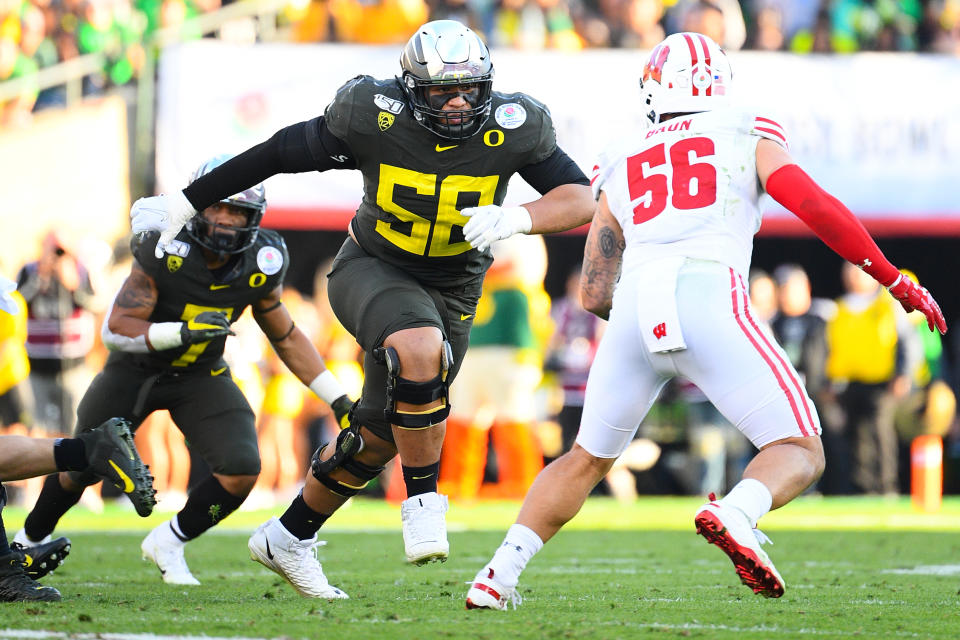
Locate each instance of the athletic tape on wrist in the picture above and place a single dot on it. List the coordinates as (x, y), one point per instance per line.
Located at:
(327, 387)
(164, 335)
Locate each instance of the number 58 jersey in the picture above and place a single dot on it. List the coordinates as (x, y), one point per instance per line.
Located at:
(688, 187)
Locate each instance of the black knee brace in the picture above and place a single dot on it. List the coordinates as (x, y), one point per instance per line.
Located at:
(403, 390)
(348, 444)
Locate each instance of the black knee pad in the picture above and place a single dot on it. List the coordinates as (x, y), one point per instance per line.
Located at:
(348, 445)
(402, 390)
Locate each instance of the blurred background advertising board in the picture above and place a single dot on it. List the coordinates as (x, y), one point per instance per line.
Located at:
(84, 185)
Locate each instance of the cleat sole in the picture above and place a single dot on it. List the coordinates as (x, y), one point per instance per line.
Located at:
(751, 569)
(429, 559)
(142, 494)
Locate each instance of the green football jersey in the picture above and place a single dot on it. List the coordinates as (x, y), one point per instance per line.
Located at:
(503, 320)
(186, 287)
(415, 183)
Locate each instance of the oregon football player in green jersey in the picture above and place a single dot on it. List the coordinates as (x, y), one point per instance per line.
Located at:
(436, 147)
(166, 331)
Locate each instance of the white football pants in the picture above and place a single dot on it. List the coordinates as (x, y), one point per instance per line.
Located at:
(736, 363)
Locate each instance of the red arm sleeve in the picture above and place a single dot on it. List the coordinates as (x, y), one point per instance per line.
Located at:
(830, 220)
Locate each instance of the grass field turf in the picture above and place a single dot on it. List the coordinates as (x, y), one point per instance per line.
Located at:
(868, 568)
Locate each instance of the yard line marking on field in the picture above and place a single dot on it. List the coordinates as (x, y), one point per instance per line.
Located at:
(928, 570)
(31, 634)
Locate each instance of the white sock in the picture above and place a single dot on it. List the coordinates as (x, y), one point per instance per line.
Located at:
(519, 545)
(751, 497)
(172, 533)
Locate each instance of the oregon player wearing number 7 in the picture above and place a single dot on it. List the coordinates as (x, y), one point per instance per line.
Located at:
(435, 146)
(677, 210)
(166, 330)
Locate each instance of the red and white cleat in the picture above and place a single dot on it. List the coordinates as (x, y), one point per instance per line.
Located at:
(729, 529)
(486, 592)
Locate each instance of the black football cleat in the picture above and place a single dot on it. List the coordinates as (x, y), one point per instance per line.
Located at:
(113, 456)
(42, 558)
(17, 586)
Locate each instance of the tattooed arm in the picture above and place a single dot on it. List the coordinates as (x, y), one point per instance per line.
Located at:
(601, 261)
(127, 326)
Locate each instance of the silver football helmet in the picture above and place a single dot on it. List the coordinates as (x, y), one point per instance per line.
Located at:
(445, 53)
(225, 239)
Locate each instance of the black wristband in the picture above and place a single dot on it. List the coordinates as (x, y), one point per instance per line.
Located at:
(293, 325)
(260, 312)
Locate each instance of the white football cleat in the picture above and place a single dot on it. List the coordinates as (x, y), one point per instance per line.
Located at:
(425, 528)
(729, 529)
(293, 560)
(486, 592)
(162, 547)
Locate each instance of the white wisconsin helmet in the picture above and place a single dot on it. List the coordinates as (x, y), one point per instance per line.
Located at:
(686, 73)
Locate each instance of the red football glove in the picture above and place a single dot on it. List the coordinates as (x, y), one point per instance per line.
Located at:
(913, 297)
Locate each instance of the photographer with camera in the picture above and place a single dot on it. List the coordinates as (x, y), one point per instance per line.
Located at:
(60, 332)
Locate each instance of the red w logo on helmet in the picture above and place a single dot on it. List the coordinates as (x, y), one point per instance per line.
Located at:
(654, 67)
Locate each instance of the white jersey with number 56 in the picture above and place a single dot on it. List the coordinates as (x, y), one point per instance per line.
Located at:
(688, 187)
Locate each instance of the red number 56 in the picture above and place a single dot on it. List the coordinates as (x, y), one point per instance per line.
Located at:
(693, 185)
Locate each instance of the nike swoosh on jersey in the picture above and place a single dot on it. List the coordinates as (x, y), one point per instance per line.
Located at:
(466, 316)
(127, 482)
(216, 372)
(216, 287)
(439, 148)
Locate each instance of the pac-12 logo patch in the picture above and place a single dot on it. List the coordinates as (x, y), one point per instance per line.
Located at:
(510, 116)
(270, 260)
(385, 120)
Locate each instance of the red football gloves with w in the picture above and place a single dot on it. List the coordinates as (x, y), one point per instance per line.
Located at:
(913, 297)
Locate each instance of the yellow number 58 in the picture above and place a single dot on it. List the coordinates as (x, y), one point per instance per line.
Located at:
(426, 237)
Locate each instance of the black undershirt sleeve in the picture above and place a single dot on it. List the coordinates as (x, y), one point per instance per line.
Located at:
(557, 169)
(305, 146)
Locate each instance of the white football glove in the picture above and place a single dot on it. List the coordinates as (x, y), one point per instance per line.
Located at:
(491, 222)
(166, 213)
(7, 301)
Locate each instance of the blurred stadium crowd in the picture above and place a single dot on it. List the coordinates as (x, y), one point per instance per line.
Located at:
(878, 377)
(35, 34)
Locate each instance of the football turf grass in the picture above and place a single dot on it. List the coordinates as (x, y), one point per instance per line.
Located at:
(869, 568)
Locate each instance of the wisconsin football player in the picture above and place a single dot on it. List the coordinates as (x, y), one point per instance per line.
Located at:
(436, 147)
(167, 329)
(665, 260)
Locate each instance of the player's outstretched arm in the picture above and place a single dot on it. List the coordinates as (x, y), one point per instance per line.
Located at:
(299, 354)
(287, 151)
(564, 207)
(602, 258)
(836, 225)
